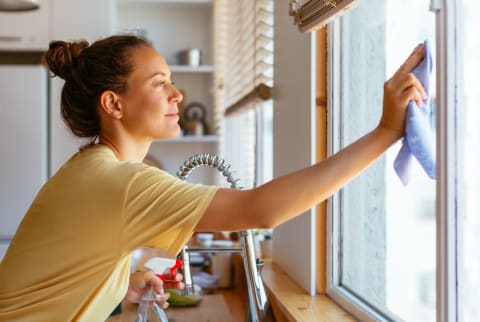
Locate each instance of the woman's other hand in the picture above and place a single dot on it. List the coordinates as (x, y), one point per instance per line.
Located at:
(400, 89)
(140, 283)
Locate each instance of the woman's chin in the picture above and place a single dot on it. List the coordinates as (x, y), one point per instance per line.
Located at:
(170, 135)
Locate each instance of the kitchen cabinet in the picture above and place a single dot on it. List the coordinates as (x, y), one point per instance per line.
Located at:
(23, 143)
(25, 30)
(172, 27)
(55, 19)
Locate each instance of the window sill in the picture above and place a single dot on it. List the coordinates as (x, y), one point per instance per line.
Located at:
(291, 303)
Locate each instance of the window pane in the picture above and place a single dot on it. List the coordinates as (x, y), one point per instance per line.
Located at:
(387, 229)
(468, 116)
(265, 153)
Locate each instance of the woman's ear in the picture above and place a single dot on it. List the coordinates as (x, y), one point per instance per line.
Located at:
(110, 104)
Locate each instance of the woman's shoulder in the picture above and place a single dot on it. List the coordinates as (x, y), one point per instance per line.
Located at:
(99, 164)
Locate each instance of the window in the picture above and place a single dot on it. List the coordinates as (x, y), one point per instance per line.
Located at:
(384, 232)
(385, 236)
(425, 234)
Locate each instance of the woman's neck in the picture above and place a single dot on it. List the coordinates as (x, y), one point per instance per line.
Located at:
(126, 150)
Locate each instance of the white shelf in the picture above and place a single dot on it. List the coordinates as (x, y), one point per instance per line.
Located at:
(191, 139)
(191, 69)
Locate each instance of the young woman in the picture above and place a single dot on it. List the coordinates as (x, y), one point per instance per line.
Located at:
(70, 257)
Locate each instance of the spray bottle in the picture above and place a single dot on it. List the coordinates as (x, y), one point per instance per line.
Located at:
(148, 309)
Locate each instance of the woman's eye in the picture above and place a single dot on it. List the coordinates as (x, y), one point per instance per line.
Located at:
(159, 83)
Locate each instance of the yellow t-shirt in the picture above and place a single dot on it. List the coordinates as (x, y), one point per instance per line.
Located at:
(70, 257)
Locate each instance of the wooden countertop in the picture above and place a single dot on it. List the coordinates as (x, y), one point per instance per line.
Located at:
(212, 308)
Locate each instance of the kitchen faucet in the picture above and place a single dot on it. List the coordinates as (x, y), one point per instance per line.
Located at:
(259, 309)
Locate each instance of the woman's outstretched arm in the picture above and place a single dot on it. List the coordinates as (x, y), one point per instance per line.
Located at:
(290, 195)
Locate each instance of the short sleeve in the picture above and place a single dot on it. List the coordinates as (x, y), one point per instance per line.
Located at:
(161, 210)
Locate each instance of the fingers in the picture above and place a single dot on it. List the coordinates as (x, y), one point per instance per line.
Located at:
(161, 296)
(406, 87)
(151, 279)
(162, 299)
(410, 94)
(413, 60)
(415, 82)
(411, 89)
(399, 90)
(156, 282)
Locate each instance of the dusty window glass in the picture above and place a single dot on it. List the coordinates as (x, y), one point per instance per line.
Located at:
(468, 127)
(387, 230)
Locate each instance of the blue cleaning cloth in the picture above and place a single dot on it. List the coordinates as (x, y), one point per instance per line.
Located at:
(418, 140)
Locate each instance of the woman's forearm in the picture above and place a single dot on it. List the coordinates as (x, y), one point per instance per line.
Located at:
(296, 192)
(290, 195)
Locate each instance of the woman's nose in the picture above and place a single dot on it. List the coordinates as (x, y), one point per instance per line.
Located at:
(176, 96)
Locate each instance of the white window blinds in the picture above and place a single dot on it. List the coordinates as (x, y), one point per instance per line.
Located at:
(314, 14)
(243, 77)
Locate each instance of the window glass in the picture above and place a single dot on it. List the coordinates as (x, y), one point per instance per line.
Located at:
(387, 230)
(265, 143)
(468, 126)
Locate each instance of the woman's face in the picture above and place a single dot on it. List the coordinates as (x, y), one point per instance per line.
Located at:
(149, 105)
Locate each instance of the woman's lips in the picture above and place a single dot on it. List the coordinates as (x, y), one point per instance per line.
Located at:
(173, 116)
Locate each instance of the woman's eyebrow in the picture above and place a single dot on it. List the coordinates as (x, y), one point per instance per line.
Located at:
(158, 73)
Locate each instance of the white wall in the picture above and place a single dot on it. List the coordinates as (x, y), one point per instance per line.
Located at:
(294, 140)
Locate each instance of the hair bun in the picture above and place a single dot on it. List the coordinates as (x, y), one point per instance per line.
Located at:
(61, 56)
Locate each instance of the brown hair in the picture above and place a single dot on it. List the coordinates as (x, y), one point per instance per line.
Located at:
(88, 71)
